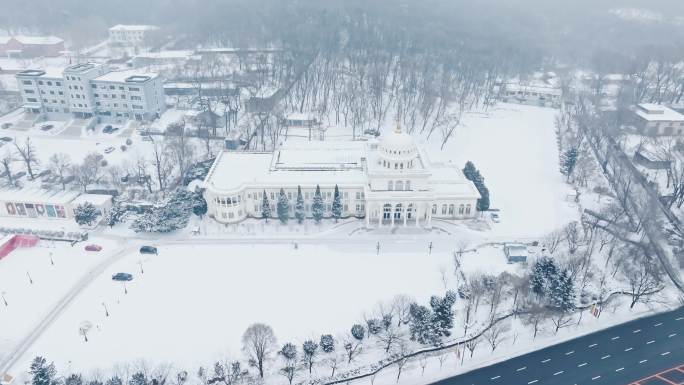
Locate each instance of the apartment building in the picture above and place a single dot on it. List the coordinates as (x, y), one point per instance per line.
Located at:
(89, 90)
(131, 35)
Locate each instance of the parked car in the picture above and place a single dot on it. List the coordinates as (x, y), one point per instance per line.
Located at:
(495, 217)
(107, 129)
(109, 150)
(6, 125)
(147, 138)
(148, 250)
(47, 127)
(18, 175)
(6, 139)
(122, 277)
(93, 248)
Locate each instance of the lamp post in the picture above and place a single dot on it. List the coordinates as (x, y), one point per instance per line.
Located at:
(52, 261)
(106, 311)
(125, 288)
(29, 277)
(141, 267)
(3, 298)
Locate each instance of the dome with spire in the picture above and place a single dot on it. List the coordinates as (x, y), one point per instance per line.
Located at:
(397, 148)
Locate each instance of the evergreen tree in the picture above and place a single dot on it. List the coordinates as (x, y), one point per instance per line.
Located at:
(42, 373)
(568, 160)
(374, 326)
(300, 214)
(443, 314)
(310, 351)
(358, 332)
(289, 351)
(74, 379)
(265, 207)
(544, 273)
(562, 291)
(138, 378)
(469, 170)
(421, 325)
(327, 343)
(337, 204)
(483, 201)
(473, 174)
(199, 205)
(172, 214)
(318, 208)
(115, 214)
(283, 207)
(86, 214)
(114, 381)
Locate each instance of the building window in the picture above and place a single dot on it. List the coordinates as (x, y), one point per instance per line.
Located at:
(451, 209)
(444, 209)
(399, 185)
(467, 211)
(434, 209)
(29, 91)
(93, 85)
(460, 210)
(390, 185)
(407, 185)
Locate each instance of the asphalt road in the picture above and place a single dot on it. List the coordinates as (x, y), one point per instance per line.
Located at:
(620, 355)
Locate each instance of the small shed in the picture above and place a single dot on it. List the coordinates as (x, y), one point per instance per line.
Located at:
(516, 252)
(6, 379)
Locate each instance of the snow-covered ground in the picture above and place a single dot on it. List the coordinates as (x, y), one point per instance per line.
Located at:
(193, 302)
(514, 147)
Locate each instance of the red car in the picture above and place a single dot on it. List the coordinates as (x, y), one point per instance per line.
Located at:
(93, 248)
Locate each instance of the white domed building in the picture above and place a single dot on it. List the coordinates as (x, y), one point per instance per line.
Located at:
(389, 182)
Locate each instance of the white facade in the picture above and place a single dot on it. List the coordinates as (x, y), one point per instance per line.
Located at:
(88, 89)
(131, 35)
(388, 183)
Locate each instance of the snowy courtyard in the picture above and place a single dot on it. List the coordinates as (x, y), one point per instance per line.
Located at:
(193, 303)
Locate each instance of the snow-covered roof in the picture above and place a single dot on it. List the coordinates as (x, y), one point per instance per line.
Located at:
(657, 113)
(95, 199)
(446, 180)
(172, 54)
(131, 27)
(37, 195)
(540, 89)
(126, 76)
(38, 40)
(5, 39)
(305, 164)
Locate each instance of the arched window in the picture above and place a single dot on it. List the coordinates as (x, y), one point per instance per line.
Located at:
(390, 185)
(444, 208)
(467, 209)
(396, 166)
(398, 210)
(386, 211)
(407, 185)
(451, 209)
(401, 165)
(460, 210)
(434, 209)
(399, 185)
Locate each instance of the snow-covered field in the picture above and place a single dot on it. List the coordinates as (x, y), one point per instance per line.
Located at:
(193, 302)
(514, 147)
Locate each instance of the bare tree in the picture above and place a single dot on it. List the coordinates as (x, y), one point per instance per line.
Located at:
(87, 172)
(471, 345)
(401, 305)
(6, 161)
(27, 152)
(258, 343)
(60, 164)
(494, 335)
(645, 279)
(161, 161)
(553, 240)
(402, 351)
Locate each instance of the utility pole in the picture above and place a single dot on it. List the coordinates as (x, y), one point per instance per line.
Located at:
(3, 298)
(430, 248)
(377, 248)
(29, 277)
(106, 311)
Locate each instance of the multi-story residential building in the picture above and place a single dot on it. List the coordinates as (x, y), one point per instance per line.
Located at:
(131, 35)
(89, 90)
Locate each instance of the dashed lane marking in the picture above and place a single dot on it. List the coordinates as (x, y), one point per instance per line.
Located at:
(582, 364)
(595, 378)
(592, 345)
(604, 357)
(521, 369)
(672, 335)
(679, 319)
(636, 331)
(495, 377)
(546, 360)
(650, 342)
(532, 382)
(557, 373)
(569, 353)
(658, 324)
(615, 338)
(642, 361)
(664, 354)
(620, 369)
(629, 349)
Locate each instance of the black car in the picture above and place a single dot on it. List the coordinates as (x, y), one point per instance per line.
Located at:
(47, 127)
(122, 277)
(148, 250)
(6, 139)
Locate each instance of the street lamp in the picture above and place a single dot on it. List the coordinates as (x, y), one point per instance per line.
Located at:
(3, 298)
(52, 261)
(106, 311)
(141, 267)
(125, 288)
(29, 277)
